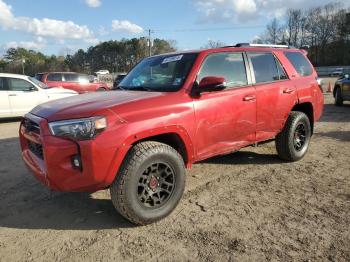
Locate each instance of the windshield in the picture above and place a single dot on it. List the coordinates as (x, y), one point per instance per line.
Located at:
(38, 83)
(165, 73)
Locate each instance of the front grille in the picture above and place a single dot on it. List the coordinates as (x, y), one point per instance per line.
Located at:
(31, 126)
(36, 149)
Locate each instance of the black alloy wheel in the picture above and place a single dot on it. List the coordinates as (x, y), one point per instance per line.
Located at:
(156, 185)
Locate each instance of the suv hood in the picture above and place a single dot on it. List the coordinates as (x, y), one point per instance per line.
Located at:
(88, 104)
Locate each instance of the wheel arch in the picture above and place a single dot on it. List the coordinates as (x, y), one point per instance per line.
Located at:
(307, 109)
(171, 139)
(175, 136)
(335, 89)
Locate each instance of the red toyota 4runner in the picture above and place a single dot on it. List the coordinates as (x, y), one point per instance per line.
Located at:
(171, 111)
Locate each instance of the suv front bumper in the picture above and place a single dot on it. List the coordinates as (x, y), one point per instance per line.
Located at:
(49, 158)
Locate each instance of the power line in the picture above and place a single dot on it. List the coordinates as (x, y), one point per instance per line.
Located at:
(190, 30)
(237, 27)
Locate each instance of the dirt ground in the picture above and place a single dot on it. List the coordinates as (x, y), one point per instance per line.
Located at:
(246, 206)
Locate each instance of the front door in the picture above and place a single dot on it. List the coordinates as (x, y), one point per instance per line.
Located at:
(5, 110)
(225, 120)
(23, 96)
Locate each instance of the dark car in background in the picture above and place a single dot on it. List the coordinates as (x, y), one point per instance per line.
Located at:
(117, 80)
(80, 83)
(341, 91)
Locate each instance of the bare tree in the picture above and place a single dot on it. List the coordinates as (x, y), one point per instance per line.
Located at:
(213, 44)
(274, 32)
(293, 26)
(324, 30)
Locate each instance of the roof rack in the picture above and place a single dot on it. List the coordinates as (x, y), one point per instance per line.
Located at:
(261, 45)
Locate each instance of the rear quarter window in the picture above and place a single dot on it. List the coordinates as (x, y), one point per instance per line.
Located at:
(300, 63)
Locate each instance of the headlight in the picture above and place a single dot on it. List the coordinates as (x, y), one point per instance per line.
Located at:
(78, 129)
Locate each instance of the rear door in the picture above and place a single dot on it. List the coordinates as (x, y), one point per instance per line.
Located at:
(276, 94)
(23, 96)
(226, 119)
(5, 110)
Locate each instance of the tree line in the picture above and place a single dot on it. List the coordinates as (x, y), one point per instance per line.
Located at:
(115, 56)
(323, 31)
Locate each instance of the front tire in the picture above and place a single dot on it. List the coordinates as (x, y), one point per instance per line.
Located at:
(149, 184)
(293, 141)
(338, 100)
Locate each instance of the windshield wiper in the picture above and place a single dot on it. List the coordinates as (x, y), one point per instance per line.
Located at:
(134, 88)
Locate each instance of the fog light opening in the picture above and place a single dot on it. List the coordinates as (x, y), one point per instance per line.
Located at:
(76, 162)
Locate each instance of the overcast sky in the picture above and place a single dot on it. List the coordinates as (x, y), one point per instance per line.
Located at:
(61, 27)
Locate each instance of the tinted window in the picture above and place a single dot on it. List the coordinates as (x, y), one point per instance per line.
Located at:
(282, 74)
(54, 77)
(39, 76)
(228, 65)
(71, 77)
(2, 84)
(19, 84)
(264, 66)
(301, 65)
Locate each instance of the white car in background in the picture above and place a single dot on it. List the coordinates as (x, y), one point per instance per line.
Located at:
(102, 72)
(19, 94)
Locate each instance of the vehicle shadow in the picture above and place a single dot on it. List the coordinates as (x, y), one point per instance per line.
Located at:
(64, 211)
(243, 158)
(26, 204)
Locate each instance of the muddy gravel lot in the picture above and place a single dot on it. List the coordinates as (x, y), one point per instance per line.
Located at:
(245, 206)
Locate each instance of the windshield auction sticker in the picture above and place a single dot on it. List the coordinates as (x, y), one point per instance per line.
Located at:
(172, 59)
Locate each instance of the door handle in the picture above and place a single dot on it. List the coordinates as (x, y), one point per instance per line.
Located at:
(12, 95)
(249, 98)
(288, 91)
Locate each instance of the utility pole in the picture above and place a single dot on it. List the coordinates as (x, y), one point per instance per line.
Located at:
(23, 61)
(149, 42)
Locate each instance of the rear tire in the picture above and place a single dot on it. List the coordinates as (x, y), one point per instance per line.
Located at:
(101, 89)
(293, 141)
(338, 100)
(149, 184)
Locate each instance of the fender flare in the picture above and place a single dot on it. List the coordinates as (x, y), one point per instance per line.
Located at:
(127, 144)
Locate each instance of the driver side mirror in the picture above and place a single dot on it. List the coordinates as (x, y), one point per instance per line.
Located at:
(209, 84)
(32, 89)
